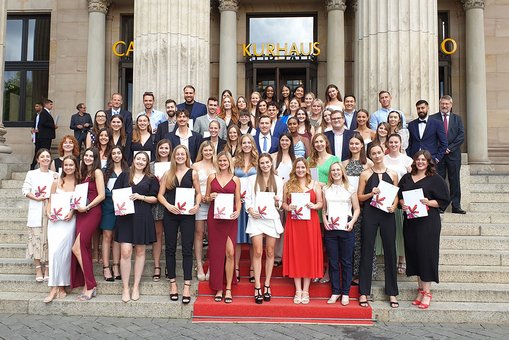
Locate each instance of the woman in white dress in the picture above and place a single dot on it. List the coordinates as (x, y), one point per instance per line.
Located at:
(37, 188)
(261, 223)
(204, 165)
(61, 231)
(333, 98)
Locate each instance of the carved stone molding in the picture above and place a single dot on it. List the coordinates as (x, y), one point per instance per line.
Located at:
(228, 5)
(470, 4)
(335, 4)
(354, 4)
(98, 6)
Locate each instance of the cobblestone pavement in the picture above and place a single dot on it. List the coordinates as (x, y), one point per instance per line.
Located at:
(16, 326)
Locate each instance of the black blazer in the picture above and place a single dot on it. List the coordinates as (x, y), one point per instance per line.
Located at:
(128, 119)
(46, 126)
(353, 125)
(199, 109)
(162, 130)
(347, 134)
(194, 142)
(432, 140)
(455, 134)
(221, 143)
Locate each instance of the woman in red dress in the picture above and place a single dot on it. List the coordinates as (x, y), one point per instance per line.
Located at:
(302, 252)
(222, 232)
(88, 219)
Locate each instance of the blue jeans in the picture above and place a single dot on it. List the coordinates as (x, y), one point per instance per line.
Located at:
(339, 245)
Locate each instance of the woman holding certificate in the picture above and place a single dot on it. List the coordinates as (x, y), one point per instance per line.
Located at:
(180, 194)
(339, 199)
(245, 162)
(302, 252)
(88, 219)
(377, 187)
(135, 229)
(422, 193)
(61, 227)
(36, 188)
(116, 164)
(223, 193)
(263, 198)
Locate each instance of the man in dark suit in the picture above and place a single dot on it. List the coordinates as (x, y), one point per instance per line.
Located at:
(265, 142)
(196, 109)
(451, 163)
(43, 128)
(339, 136)
(350, 113)
(116, 109)
(426, 134)
(184, 135)
(169, 125)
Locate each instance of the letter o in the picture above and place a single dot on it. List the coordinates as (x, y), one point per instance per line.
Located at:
(454, 46)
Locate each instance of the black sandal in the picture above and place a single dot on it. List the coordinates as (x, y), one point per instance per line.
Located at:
(251, 277)
(174, 296)
(237, 274)
(118, 277)
(394, 304)
(267, 295)
(364, 303)
(258, 296)
(156, 277)
(218, 298)
(228, 299)
(186, 299)
(108, 279)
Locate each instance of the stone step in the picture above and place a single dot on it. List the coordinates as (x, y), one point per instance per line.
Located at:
(14, 223)
(485, 207)
(13, 192)
(13, 236)
(19, 203)
(489, 187)
(474, 257)
(495, 229)
(474, 242)
(489, 197)
(20, 176)
(13, 251)
(443, 312)
(485, 179)
(148, 306)
(7, 212)
(464, 274)
(467, 218)
(12, 183)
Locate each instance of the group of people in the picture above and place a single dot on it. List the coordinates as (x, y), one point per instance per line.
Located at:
(300, 175)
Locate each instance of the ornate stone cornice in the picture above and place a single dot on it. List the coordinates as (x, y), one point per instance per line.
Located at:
(335, 4)
(354, 4)
(470, 4)
(228, 5)
(98, 6)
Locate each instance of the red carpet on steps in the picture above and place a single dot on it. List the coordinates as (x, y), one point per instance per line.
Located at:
(281, 308)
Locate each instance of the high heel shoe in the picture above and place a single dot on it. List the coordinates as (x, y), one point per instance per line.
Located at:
(258, 296)
(46, 274)
(135, 295)
(126, 297)
(305, 298)
(52, 295)
(228, 299)
(267, 294)
(345, 300)
(298, 297)
(419, 297)
(186, 298)
(333, 298)
(117, 277)
(174, 296)
(237, 274)
(108, 279)
(156, 277)
(251, 276)
(39, 279)
(85, 297)
(425, 305)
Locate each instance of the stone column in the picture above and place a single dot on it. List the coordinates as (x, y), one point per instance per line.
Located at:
(336, 43)
(477, 122)
(228, 46)
(398, 52)
(4, 148)
(356, 90)
(171, 50)
(96, 54)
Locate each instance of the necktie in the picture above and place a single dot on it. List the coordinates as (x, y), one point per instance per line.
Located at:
(265, 144)
(446, 123)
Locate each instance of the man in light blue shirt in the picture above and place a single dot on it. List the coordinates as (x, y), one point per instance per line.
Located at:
(156, 117)
(384, 97)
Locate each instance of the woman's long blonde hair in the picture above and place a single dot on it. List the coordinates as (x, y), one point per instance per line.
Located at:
(170, 174)
(344, 177)
(293, 184)
(260, 183)
(313, 156)
(240, 155)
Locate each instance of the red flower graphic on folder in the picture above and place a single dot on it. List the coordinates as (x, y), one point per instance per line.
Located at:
(262, 211)
(220, 213)
(334, 223)
(181, 206)
(412, 212)
(57, 215)
(121, 209)
(377, 201)
(41, 191)
(75, 202)
(297, 214)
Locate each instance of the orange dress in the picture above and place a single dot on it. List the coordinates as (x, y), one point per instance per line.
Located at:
(303, 251)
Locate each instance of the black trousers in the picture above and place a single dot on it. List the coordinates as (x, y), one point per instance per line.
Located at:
(40, 143)
(373, 219)
(451, 168)
(172, 224)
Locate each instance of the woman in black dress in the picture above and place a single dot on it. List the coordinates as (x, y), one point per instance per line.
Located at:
(136, 229)
(142, 139)
(373, 219)
(180, 218)
(422, 235)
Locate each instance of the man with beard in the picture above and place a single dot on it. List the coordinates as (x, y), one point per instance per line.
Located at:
(426, 134)
(156, 117)
(196, 109)
(169, 125)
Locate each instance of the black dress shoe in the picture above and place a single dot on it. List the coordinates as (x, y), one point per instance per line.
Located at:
(458, 211)
(441, 211)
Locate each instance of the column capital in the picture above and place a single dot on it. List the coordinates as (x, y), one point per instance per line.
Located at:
(98, 6)
(354, 4)
(228, 5)
(470, 4)
(335, 4)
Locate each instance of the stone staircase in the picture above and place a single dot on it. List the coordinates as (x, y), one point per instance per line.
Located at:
(474, 267)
